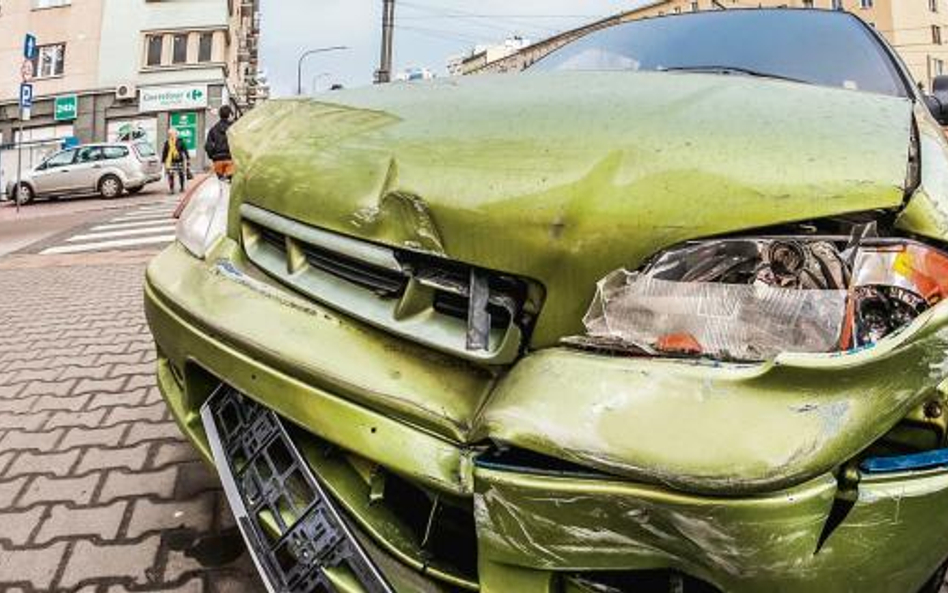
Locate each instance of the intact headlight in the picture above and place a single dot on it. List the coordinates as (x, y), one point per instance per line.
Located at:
(751, 299)
(204, 219)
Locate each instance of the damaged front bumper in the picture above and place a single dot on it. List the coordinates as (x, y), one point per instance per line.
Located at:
(731, 475)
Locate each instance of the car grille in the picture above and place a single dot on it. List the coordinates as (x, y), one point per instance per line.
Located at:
(478, 314)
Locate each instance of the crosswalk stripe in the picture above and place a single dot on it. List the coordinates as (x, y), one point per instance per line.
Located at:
(64, 249)
(130, 225)
(140, 217)
(125, 233)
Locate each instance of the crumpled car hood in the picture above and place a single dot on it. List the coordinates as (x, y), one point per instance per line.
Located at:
(564, 177)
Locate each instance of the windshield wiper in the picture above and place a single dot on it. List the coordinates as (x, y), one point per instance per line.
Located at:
(731, 70)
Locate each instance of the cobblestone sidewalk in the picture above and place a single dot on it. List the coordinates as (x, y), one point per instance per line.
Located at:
(98, 489)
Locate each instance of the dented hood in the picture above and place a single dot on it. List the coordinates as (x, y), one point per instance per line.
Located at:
(564, 177)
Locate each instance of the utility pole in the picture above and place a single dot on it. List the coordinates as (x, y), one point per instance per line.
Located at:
(384, 73)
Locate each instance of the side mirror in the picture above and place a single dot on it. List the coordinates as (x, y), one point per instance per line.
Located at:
(938, 101)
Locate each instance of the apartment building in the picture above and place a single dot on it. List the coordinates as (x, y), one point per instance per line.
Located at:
(917, 29)
(124, 69)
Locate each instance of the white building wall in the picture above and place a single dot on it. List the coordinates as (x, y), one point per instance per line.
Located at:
(123, 40)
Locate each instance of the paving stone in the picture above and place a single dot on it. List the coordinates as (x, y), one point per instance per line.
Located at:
(195, 585)
(9, 489)
(65, 521)
(130, 458)
(47, 388)
(45, 489)
(178, 452)
(137, 381)
(42, 374)
(30, 462)
(9, 390)
(27, 422)
(196, 514)
(18, 440)
(124, 414)
(159, 483)
(108, 436)
(90, 419)
(79, 372)
(99, 385)
(19, 405)
(153, 432)
(124, 561)
(128, 397)
(110, 358)
(52, 403)
(18, 525)
(34, 565)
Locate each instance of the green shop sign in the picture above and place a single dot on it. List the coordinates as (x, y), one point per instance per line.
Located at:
(186, 124)
(66, 108)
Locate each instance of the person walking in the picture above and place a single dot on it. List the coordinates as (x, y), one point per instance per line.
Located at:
(176, 159)
(217, 145)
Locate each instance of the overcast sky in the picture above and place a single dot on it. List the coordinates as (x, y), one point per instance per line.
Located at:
(428, 31)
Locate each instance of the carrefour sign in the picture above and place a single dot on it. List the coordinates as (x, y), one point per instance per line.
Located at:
(172, 98)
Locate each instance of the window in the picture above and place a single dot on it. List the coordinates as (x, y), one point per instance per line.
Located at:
(938, 66)
(694, 7)
(936, 34)
(807, 3)
(933, 5)
(50, 60)
(677, 9)
(155, 45)
(179, 54)
(89, 154)
(809, 46)
(837, 4)
(144, 150)
(61, 159)
(115, 152)
(205, 47)
(865, 3)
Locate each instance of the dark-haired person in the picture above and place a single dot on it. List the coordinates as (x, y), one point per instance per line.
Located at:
(217, 145)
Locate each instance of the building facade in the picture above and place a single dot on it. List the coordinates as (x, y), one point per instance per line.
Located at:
(917, 29)
(112, 70)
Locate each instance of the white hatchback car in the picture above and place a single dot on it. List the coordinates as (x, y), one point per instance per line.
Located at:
(103, 169)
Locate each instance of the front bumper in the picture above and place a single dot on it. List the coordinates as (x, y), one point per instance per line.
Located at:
(359, 391)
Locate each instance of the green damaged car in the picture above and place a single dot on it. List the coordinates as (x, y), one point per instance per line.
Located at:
(662, 313)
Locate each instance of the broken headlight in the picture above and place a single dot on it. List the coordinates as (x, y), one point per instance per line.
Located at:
(751, 299)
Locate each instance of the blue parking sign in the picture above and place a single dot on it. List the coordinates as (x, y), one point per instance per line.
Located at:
(26, 96)
(29, 46)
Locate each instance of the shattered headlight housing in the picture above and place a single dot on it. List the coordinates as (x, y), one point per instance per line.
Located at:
(204, 218)
(752, 298)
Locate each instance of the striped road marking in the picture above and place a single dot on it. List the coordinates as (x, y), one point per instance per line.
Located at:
(150, 225)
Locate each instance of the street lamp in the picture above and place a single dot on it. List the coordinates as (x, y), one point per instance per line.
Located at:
(307, 53)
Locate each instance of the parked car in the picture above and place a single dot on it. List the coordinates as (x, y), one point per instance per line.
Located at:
(663, 313)
(103, 169)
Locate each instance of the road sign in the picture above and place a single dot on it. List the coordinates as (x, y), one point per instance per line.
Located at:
(66, 108)
(29, 46)
(26, 95)
(26, 71)
(186, 124)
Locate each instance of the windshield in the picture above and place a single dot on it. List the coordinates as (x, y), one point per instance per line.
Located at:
(813, 46)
